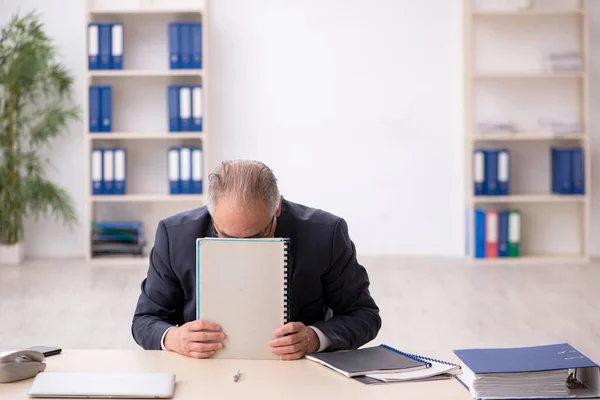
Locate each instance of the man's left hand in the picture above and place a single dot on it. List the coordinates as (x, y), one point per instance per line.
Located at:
(293, 341)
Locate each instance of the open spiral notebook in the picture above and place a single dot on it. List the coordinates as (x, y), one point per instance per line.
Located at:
(242, 285)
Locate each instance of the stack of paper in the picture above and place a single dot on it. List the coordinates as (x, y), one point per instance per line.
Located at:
(495, 127)
(564, 61)
(560, 126)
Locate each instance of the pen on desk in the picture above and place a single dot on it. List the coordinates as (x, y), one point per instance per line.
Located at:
(236, 376)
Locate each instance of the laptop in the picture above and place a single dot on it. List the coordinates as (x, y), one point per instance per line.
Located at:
(103, 385)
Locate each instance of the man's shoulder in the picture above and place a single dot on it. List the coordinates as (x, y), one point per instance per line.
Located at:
(195, 216)
(310, 216)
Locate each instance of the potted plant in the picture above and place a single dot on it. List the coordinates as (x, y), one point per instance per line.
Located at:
(35, 92)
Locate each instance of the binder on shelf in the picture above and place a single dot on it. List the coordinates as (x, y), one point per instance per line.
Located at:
(543, 372)
(480, 233)
(185, 170)
(479, 172)
(514, 233)
(173, 100)
(578, 168)
(491, 172)
(197, 114)
(491, 234)
(561, 171)
(94, 111)
(185, 108)
(173, 170)
(197, 170)
(97, 172)
(106, 108)
(117, 46)
(503, 172)
(105, 45)
(174, 45)
(120, 161)
(93, 39)
(186, 45)
(108, 177)
(196, 44)
(503, 233)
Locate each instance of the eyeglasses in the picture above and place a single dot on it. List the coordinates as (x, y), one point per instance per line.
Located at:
(264, 233)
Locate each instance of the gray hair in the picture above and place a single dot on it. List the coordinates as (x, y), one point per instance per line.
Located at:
(243, 180)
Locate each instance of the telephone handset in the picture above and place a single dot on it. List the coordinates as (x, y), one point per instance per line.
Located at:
(16, 365)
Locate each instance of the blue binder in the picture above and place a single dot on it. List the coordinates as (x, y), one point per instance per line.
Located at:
(491, 172)
(563, 171)
(120, 171)
(173, 173)
(93, 41)
(553, 172)
(105, 45)
(197, 108)
(479, 233)
(196, 44)
(197, 164)
(503, 233)
(94, 100)
(117, 34)
(124, 225)
(173, 99)
(97, 171)
(105, 109)
(479, 169)
(174, 45)
(578, 168)
(186, 45)
(534, 359)
(503, 171)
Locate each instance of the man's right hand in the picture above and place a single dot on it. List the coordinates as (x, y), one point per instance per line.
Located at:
(189, 339)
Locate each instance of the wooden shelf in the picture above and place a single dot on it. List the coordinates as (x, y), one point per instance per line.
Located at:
(145, 136)
(528, 75)
(527, 13)
(147, 198)
(143, 11)
(144, 73)
(528, 198)
(532, 260)
(526, 136)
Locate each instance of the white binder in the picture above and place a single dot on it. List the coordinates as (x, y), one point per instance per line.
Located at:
(120, 163)
(173, 170)
(97, 171)
(185, 108)
(197, 170)
(109, 171)
(185, 173)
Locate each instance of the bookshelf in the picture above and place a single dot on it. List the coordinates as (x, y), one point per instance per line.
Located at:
(140, 121)
(507, 78)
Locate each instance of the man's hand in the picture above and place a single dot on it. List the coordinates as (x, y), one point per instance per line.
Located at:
(188, 339)
(294, 341)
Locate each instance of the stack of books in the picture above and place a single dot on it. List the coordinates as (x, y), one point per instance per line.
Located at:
(552, 371)
(117, 239)
(570, 61)
(497, 233)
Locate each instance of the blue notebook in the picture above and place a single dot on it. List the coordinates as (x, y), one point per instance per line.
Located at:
(516, 373)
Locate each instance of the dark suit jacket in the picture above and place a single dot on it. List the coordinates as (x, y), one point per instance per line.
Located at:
(326, 278)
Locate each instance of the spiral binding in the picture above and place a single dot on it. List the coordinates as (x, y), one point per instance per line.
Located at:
(286, 305)
(426, 360)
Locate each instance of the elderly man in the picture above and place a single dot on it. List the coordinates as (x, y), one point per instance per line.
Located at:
(332, 307)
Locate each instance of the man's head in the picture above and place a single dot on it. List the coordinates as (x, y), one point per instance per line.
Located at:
(243, 199)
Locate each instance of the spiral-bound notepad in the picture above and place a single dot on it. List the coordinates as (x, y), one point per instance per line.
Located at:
(241, 284)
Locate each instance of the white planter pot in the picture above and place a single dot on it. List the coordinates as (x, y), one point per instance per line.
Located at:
(12, 255)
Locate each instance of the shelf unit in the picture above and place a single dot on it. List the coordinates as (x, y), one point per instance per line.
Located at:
(554, 15)
(140, 119)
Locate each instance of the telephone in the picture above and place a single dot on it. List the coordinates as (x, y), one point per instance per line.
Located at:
(16, 365)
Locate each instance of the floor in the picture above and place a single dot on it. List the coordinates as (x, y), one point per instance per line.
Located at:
(428, 306)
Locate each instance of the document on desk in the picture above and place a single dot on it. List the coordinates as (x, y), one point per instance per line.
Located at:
(438, 370)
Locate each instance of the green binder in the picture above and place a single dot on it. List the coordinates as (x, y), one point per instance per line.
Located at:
(514, 233)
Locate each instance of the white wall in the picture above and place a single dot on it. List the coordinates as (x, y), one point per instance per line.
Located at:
(348, 103)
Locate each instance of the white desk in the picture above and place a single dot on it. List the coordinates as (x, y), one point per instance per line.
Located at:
(213, 379)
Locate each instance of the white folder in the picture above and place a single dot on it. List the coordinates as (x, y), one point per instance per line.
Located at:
(185, 107)
(109, 171)
(97, 171)
(196, 170)
(93, 41)
(173, 170)
(120, 163)
(185, 159)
